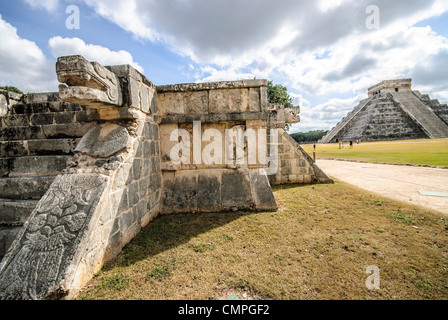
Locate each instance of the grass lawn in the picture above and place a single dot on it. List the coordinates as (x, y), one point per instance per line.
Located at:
(432, 152)
(317, 246)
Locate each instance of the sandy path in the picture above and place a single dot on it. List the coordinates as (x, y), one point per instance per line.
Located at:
(397, 182)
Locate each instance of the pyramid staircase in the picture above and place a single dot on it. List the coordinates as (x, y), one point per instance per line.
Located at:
(37, 138)
(383, 119)
(425, 115)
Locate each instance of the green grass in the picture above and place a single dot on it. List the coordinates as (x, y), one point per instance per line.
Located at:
(317, 246)
(432, 152)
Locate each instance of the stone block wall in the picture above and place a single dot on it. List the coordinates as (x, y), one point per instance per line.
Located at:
(195, 185)
(7, 100)
(295, 165)
(226, 97)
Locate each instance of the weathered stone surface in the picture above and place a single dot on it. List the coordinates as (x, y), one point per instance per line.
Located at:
(196, 102)
(262, 192)
(235, 190)
(229, 101)
(25, 188)
(209, 190)
(7, 236)
(3, 105)
(89, 83)
(185, 191)
(37, 165)
(16, 212)
(45, 255)
(104, 141)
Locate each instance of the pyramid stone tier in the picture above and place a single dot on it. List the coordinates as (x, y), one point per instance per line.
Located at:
(392, 111)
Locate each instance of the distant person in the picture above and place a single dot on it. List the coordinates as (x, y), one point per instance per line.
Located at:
(340, 144)
(314, 146)
(351, 144)
(343, 145)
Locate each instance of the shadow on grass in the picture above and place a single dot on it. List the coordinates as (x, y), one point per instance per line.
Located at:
(173, 230)
(170, 231)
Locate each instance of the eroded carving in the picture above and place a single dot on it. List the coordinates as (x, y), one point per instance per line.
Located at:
(37, 262)
(87, 83)
(104, 141)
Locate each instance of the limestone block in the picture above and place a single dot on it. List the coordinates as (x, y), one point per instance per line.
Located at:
(196, 102)
(229, 101)
(3, 106)
(254, 100)
(133, 194)
(167, 145)
(7, 237)
(151, 100)
(235, 190)
(134, 93)
(25, 188)
(185, 191)
(261, 191)
(168, 190)
(209, 190)
(144, 99)
(171, 103)
(16, 212)
(104, 141)
(66, 130)
(264, 101)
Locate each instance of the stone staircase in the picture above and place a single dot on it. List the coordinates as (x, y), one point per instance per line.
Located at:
(37, 138)
(441, 110)
(336, 131)
(383, 119)
(432, 123)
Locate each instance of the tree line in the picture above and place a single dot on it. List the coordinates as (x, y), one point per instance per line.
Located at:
(309, 137)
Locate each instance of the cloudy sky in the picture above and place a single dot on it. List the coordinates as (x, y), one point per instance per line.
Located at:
(326, 52)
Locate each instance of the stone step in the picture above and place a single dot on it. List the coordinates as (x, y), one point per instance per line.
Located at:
(15, 213)
(7, 237)
(40, 147)
(424, 115)
(32, 166)
(25, 188)
(45, 107)
(51, 131)
(38, 119)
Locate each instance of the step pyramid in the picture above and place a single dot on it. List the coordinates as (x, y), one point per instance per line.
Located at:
(393, 111)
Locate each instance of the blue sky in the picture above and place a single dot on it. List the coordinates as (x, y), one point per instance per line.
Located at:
(324, 51)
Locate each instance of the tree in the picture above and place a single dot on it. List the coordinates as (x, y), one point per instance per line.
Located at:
(309, 137)
(279, 94)
(12, 89)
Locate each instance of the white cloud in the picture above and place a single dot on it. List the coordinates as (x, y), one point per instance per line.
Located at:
(49, 5)
(127, 15)
(74, 46)
(23, 64)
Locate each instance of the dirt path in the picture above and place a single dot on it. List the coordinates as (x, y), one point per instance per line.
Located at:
(397, 182)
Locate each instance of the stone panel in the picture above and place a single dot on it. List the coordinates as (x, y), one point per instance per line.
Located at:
(52, 241)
